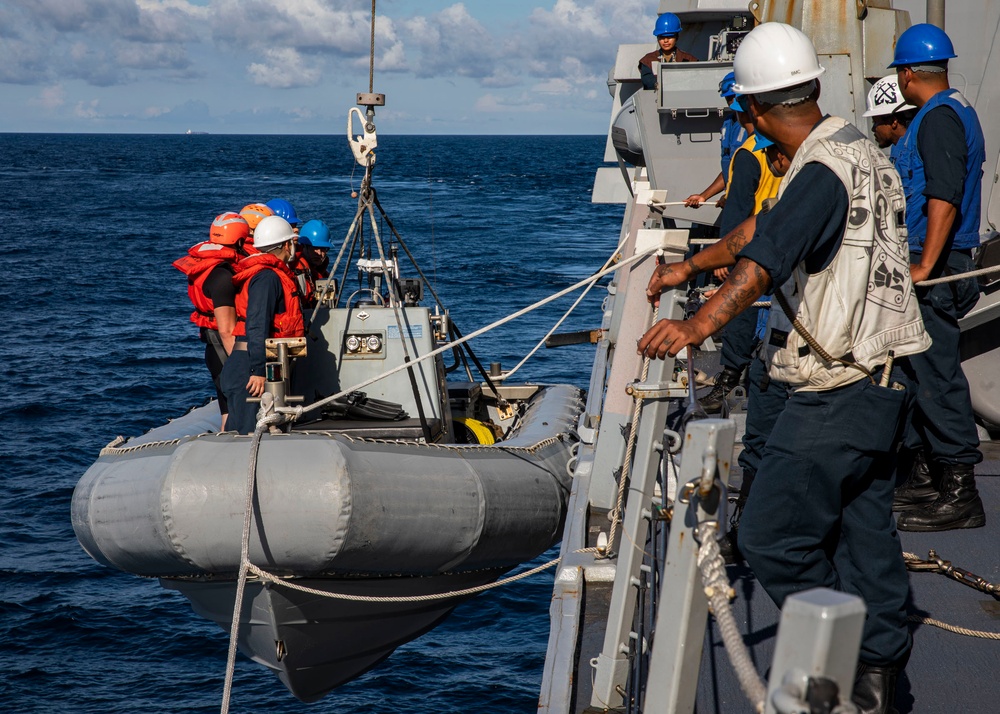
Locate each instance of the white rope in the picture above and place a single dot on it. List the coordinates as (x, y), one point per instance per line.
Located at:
(262, 426)
(959, 276)
(562, 319)
(271, 578)
(616, 512)
(719, 593)
(297, 412)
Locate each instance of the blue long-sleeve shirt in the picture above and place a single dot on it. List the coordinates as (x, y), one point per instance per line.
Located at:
(265, 299)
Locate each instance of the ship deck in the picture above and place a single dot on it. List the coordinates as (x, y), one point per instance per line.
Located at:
(947, 672)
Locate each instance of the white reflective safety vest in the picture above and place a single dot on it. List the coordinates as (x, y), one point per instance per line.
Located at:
(863, 304)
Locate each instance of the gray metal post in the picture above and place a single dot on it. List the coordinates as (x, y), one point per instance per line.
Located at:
(612, 663)
(935, 12)
(683, 608)
(819, 636)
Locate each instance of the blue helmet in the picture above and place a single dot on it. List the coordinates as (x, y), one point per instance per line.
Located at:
(726, 86)
(283, 208)
(922, 43)
(315, 233)
(667, 24)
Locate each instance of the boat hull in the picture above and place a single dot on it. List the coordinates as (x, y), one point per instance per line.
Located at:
(334, 512)
(315, 644)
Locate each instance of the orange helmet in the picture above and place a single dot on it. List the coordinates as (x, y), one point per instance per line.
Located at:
(254, 213)
(228, 228)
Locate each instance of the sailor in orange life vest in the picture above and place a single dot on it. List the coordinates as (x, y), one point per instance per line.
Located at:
(209, 270)
(267, 305)
(254, 213)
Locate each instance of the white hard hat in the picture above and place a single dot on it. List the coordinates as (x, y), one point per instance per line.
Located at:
(885, 98)
(774, 56)
(272, 231)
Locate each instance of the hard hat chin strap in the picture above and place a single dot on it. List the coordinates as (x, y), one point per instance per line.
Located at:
(789, 96)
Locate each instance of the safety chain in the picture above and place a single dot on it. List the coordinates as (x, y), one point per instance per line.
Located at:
(936, 564)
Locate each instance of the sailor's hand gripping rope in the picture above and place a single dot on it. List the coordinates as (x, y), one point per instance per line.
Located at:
(666, 338)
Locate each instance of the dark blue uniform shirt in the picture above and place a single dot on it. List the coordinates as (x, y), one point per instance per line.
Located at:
(265, 298)
(806, 225)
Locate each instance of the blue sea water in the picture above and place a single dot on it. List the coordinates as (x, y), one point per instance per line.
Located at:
(98, 344)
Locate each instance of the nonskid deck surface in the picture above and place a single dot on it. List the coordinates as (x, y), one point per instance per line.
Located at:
(947, 672)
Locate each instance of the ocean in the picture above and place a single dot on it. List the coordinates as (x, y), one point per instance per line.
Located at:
(100, 345)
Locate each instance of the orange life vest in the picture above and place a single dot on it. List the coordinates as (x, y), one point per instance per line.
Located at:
(307, 284)
(285, 324)
(197, 265)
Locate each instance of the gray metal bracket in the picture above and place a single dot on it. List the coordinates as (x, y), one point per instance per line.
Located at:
(672, 681)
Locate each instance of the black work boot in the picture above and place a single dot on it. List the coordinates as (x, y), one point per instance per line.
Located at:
(725, 381)
(729, 546)
(958, 506)
(920, 487)
(875, 689)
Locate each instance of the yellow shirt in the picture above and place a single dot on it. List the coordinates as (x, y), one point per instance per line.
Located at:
(769, 181)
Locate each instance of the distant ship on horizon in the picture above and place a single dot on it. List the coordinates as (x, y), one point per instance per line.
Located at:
(196, 133)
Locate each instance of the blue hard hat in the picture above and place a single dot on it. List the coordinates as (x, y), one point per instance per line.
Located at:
(737, 105)
(726, 85)
(315, 233)
(667, 24)
(761, 142)
(923, 43)
(283, 208)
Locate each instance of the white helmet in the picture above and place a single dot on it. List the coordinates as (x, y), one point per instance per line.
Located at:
(885, 98)
(272, 231)
(774, 56)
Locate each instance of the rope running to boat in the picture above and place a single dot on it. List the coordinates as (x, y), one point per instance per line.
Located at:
(568, 312)
(262, 426)
(297, 412)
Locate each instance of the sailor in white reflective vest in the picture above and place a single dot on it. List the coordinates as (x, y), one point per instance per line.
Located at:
(834, 249)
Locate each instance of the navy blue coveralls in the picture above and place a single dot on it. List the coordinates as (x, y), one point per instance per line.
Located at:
(941, 156)
(264, 300)
(738, 337)
(820, 510)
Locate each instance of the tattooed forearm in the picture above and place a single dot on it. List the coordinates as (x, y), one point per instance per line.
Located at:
(746, 282)
(736, 239)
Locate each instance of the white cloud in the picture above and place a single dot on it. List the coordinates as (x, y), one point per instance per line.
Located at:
(283, 68)
(553, 86)
(51, 97)
(490, 103)
(87, 110)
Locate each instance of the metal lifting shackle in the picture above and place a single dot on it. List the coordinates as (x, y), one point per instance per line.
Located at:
(363, 146)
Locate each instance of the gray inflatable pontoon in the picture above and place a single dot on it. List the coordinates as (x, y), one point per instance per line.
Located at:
(387, 506)
(335, 512)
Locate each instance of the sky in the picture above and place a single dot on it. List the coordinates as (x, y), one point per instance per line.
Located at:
(295, 66)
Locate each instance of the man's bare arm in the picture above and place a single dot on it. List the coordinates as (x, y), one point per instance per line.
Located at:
(718, 255)
(746, 282)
